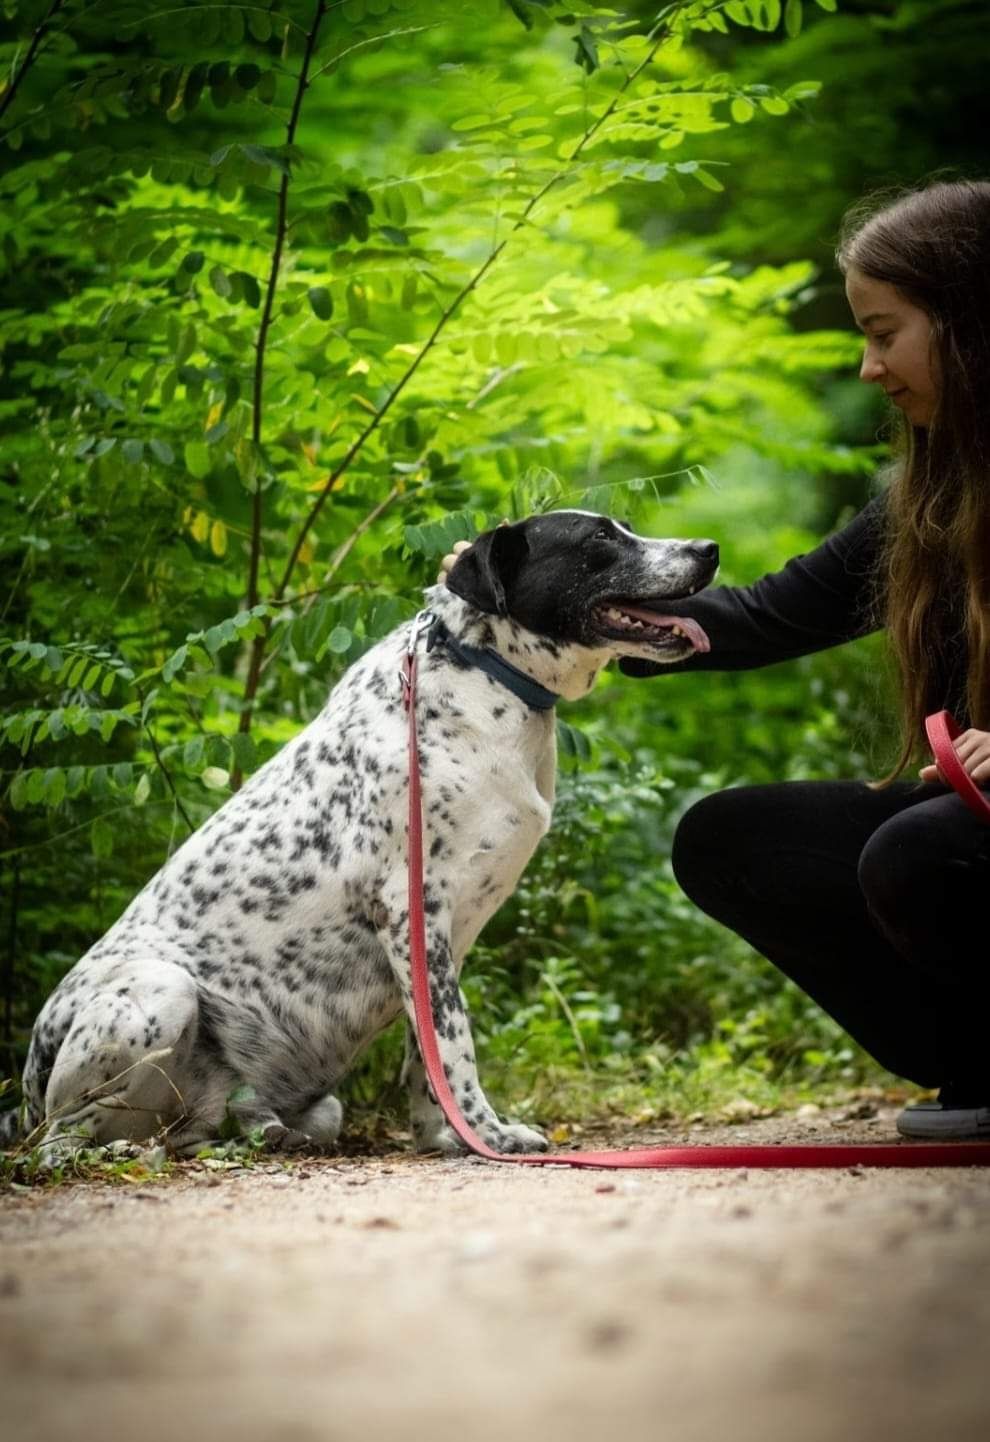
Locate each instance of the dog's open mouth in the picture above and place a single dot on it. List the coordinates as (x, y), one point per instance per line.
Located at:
(619, 619)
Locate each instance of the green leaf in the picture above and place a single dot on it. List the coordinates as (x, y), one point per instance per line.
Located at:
(774, 104)
(339, 640)
(793, 18)
(197, 458)
(54, 787)
(321, 300)
(249, 287)
(243, 751)
(192, 753)
(162, 451)
(101, 838)
(17, 796)
(175, 663)
(220, 282)
(587, 50)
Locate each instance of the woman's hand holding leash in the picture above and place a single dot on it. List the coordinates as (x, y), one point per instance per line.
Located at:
(973, 750)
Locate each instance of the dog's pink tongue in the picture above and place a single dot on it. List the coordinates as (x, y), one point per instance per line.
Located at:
(691, 629)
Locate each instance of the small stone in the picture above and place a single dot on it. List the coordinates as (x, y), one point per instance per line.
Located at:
(608, 1334)
(476, 1246)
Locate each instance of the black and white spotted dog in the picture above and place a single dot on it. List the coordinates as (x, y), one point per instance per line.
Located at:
(255, 967)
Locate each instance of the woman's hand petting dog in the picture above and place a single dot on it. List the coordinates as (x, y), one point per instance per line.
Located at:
(449, 559)
(451, 556)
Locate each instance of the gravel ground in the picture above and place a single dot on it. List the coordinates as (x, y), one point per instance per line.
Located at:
(396, 1296)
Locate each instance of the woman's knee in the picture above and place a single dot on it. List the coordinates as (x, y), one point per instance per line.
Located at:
(897, 862)
(707, 841)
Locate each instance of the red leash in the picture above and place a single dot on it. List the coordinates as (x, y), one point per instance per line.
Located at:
(942, 730)
(893, 1154)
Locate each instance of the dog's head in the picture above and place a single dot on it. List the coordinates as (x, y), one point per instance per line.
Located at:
(582, 579)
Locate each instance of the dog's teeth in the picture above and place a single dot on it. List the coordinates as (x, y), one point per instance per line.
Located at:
(677, 630)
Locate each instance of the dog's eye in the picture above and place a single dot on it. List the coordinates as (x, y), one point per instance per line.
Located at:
(602, 533)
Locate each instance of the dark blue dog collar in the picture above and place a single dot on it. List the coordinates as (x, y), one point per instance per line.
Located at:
(485, 659)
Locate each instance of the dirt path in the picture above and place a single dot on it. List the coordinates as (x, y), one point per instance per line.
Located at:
(410, 1298)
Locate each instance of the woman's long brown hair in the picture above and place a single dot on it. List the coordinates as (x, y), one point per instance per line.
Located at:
(933, 583)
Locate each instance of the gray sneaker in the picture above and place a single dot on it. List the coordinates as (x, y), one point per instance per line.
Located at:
(956, 1116)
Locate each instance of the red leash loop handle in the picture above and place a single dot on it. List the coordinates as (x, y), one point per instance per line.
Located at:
(941, 730)
(894, 1154)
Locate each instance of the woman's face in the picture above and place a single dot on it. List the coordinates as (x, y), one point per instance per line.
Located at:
(898, 353)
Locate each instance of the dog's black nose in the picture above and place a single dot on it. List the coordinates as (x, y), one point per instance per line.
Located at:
(706, 551)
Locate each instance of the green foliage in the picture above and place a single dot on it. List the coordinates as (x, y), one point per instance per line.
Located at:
(294, 297)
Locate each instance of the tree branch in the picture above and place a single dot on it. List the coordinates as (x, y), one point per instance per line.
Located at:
(254, 667)
(659, 34)
(270, 289)
(29, 59)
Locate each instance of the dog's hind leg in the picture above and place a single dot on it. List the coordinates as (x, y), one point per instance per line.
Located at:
(321, 1122)
(119, 1072)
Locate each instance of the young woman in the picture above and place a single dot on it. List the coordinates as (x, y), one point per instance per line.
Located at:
(871, 897)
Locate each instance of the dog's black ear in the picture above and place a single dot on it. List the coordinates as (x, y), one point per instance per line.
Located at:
(483, 574)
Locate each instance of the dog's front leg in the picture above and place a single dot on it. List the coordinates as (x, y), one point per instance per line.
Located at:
(456, 1045)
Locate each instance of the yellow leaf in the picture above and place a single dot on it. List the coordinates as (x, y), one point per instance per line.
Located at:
(405, 348)
(359, 368)
(306, 552)
(363, 401)
(213, 415)
(187, 516)
(218, 538)
(200, 526)
(560, 1133)
(321, 484)
(309, 451)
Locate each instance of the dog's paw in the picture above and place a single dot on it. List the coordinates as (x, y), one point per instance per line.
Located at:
(276, 1137)
(440, 1138)
(505, 1137)
(512, 1137)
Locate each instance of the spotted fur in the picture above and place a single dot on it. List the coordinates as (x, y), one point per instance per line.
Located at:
(253, 969)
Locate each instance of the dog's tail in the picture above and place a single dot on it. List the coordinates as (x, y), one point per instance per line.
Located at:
(11, 1130)
(17, 1122)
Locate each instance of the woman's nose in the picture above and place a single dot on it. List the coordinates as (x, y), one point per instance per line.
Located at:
(872, 368)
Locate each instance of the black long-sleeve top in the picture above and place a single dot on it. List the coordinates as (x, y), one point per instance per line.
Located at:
(817, 600)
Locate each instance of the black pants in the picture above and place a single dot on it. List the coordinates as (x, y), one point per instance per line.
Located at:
(874, 902)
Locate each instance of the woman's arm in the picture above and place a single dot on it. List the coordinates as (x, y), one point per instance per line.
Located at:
(817, 600)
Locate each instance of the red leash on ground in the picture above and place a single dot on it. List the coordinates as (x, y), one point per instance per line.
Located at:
(892, 1154)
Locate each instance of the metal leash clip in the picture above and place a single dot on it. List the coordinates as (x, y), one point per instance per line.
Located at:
(421, 624)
